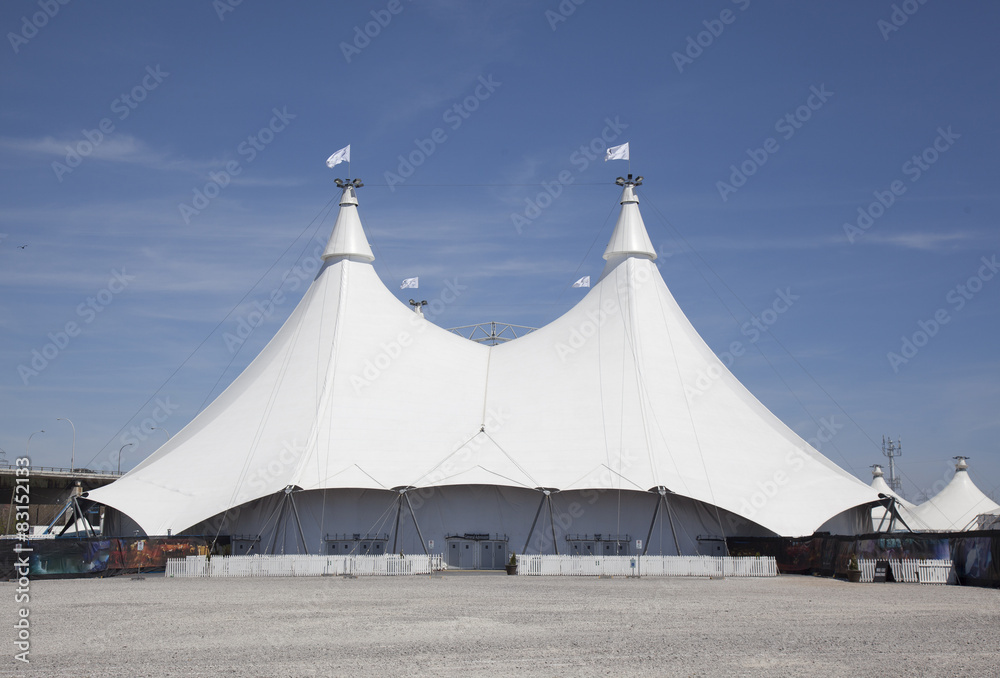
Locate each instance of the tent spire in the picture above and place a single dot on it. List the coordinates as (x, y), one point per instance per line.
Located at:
(630, 238)
(348, 237)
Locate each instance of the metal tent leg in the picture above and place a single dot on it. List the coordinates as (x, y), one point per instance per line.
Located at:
(534, 522)
(298, 522)
(552, 523)
(886, 514)
(395, 529)
(649, 534)
(662, 493)
(277, 523)
(55, 520)
(897, 516)
(670, 517)
(413, 515)
(91, 532)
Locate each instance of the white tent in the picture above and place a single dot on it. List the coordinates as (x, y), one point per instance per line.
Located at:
(882, 517)
(955, 508)
(360, 415)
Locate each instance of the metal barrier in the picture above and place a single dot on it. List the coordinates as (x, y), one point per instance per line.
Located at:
(302, 565)
(647, 566)
(911, 571)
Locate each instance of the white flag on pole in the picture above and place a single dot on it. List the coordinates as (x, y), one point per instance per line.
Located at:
(617, 153)
(343, 155)
(410, 282)
(582, 282)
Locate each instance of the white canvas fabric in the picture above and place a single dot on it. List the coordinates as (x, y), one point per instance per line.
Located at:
(357, 391)
(956, 506)
(882, 487)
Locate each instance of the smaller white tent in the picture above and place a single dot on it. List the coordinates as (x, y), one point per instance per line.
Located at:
(954, 509)
(881, 517)
(882, 487)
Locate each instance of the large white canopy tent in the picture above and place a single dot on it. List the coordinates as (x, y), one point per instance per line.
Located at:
(956, 507)
(362, 417)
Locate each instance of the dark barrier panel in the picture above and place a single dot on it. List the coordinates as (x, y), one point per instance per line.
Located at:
(976, 554)
(89, 557)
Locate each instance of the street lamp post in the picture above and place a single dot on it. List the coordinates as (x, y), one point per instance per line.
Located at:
(72, 459)
(157, 428)
(29, 441)
(120, 457)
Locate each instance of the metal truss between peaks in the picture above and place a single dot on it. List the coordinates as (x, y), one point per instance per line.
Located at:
(491, 333)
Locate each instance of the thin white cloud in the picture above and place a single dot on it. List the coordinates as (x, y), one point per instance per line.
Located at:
(930, 242)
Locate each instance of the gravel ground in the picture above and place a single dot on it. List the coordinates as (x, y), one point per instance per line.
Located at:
(463, 624)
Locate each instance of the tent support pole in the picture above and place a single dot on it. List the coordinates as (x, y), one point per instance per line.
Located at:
(55, 520)
(552, 523)
(896, 516)
(533, 523)
(298, 522)
(649, 535)
(670, 518)
(884, 516)
(277, 523)
(91, 532)
(413, 515)
(395, 529)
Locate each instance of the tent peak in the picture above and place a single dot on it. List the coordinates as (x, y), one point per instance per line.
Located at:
(961, 464)
(628, 193)
(348, 237)
(630, 238)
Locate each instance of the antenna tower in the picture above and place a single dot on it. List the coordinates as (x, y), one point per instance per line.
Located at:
(892, 450)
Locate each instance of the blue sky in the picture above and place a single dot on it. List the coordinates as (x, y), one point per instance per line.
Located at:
(777, 139)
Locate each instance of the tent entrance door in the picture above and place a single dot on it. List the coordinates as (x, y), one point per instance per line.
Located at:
(473, 551)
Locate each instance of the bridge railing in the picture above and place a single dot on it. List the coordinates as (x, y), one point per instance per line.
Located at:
(59, 469)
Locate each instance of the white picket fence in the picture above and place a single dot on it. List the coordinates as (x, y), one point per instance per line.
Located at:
(302, 565)
(647, 566)
(912, 571)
